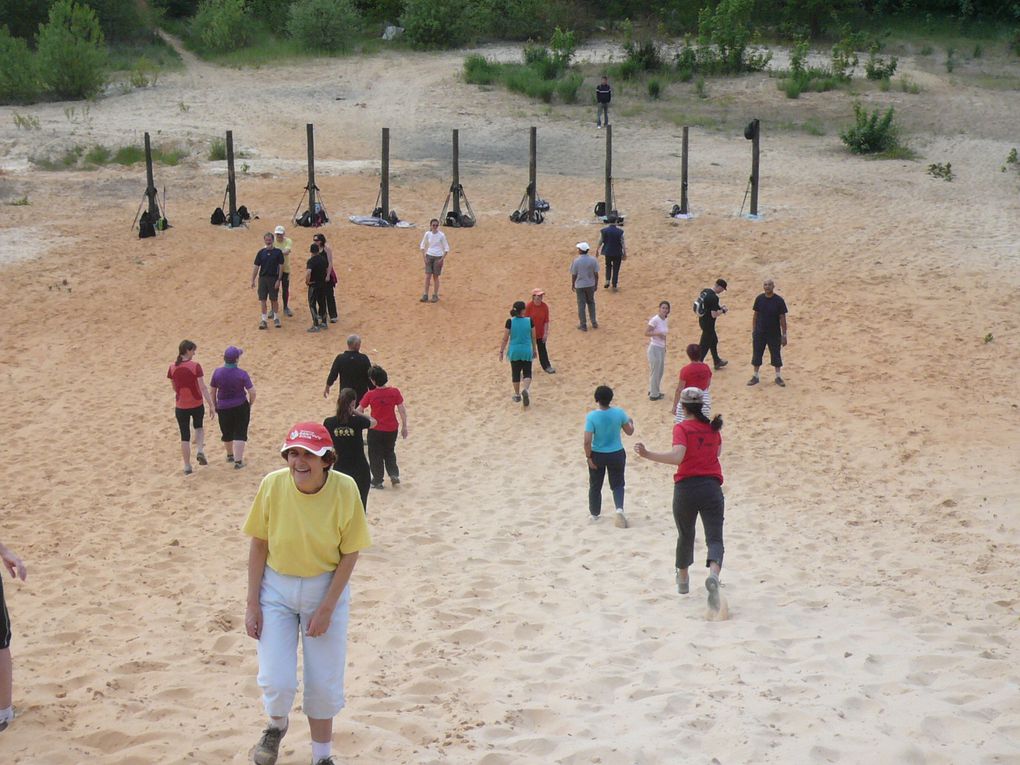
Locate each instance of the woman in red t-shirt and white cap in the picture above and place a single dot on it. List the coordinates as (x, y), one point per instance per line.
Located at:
(697, 489)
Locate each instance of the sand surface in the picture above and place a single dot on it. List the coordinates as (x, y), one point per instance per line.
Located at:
(872, 529)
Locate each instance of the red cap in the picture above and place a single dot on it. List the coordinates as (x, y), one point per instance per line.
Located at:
(310, 436)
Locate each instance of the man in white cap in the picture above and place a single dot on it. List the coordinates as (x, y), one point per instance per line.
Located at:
(584, 280)
(284, 244)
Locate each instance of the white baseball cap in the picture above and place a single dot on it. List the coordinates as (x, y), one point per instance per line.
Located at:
(280, 230)
(583, 246)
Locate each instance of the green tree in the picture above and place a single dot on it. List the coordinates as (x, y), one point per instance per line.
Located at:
(19, 82)
(71, 52)
(438, 23)
(324, 24)
(21, 17)
(222, 25)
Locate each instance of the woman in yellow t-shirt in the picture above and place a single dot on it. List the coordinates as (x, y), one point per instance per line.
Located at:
(307, 525)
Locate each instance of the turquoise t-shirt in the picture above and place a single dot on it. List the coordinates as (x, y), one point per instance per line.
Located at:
(606, 424)
(520, 339)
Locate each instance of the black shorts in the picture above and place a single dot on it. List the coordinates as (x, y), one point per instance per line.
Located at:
(195, 415)
(520, 369)
(268, 288)
(234, 422)
(5, 620)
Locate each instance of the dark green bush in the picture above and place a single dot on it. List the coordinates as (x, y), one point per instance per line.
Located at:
(512, 19)
(71, 52)
(98, 155)
(876, 68)
(871, 133)
(478, 70)
(435, 24)
(21, 17)
(645, 55)
(221, 26)
(325, 25)
(217, 150)
(121, 20)
(19, 81)
(654, 89)
(177, 9)
(567, 87)
(725, 34)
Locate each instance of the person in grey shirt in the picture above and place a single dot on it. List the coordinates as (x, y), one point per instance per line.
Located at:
(584, 280)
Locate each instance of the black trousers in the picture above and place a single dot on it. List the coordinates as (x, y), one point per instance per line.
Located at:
(331, 300)
(613, 263)
(709, 339)
(285, 286)
(359, 472)
(774, 341)
(700, 495)
(616, 465)
(381, 451)
(317, 303)
(543, 354)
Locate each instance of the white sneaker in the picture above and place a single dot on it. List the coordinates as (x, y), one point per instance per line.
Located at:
(621, 519)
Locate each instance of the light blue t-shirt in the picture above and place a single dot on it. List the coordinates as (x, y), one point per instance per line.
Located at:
(606, 424)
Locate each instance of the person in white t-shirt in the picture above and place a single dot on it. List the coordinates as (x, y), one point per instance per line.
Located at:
(434, 248)
(656, 331)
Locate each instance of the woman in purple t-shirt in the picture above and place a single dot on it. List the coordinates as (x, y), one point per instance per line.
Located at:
(234, 394)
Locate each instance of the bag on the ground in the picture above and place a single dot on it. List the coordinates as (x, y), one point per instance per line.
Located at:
(242, 213)
(218, 218)
(146, 227)
(699, 304)
(600, 209)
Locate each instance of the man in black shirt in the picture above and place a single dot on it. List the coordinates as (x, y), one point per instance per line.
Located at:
(614, 248)
(713, 310)
(768, 327)
(603, 95)
(316, 274)
(350, 368)
(268, 271)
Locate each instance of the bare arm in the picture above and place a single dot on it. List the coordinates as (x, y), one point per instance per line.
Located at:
(588, 436)
(308, 277)
(534, 345)
(251, 395)
(254, 275)
(628, 427)
(258, 551)
(329, 257)
(782, 326)
(205, 392)
(754, 320)
(676, 394)
(403, 420)
(14, 565)
(674, 457)
(324, 613)
(502, 345)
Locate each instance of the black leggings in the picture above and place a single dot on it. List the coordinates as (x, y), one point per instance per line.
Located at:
(5, 621)
(381, 451)
(699, 495)
(519, 369)
(234, 422)
(317, 303)
(285, 286)
(543, 354)
(185, 416)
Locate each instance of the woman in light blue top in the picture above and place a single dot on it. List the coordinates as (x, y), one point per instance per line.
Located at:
(520, 334)
(604, 450)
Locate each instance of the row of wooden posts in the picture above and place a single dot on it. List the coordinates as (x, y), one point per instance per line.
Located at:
(752, 133)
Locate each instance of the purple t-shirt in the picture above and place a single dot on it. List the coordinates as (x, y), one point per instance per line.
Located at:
(231, 384)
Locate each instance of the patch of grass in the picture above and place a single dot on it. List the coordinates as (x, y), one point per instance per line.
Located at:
(978, 51)
(66, 161)
(909, 86)
(808, 80)
(183, 107)
(813, 126)
(926, 50)
(685, 119)
(129, 155)
(20, 202)
(26, 121)
(541, 76)
(98, 155)
(217, 150)
(950, 61)
(701, 88)
(654, 89)
(885, 85)
(124, 57)
(478, 70)
(938, 170)
(899, 151)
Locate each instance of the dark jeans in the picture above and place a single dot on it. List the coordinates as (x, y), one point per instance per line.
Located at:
(613, 263)
(381, 445)
(774, 341)
(543, 354)
(331, 300)
(616, 464)
(701, 495)
(585, 297)
(709, 339)
(317, 303)
(285, 287)
(602, 110)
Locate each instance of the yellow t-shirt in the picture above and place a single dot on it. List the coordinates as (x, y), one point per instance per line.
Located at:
(285, 247)
(308, 533)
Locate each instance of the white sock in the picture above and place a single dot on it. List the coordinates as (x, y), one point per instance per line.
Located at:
(619, 509)
(278, 725)
(6, 715)
(263, 317)
(321, 751)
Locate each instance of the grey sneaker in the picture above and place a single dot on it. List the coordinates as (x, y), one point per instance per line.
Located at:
(288, 312)
(326, 761)
(201, 458)
(268, 747)
(683, 586)
(526, 398)
(276, 322)
(262, 324)
(712, 585)
(239, 465)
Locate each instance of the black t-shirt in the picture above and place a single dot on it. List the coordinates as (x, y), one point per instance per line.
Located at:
(348, 442)
(352, 369)
(769, 310)
(711, 303)
(319, 266)
(269, 260)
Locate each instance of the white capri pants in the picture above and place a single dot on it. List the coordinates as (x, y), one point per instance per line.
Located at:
(288, 603)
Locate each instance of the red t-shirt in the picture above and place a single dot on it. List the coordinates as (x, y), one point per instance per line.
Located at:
(185, 380)
(383, 403)
(702, 455)
(697, 374)
(539, 315)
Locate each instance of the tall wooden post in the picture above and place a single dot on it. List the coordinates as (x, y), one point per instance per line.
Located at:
(231, 182)
(384, 185)
(311, 167)
(754, 166)
(609, 169)
(532, 172)
(456, 172)
(150, 184)
(683, 176)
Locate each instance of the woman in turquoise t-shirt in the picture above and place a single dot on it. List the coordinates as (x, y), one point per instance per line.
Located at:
(604, 450)
(520, 334)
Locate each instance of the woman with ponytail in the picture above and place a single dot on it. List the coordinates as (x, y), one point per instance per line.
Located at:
(697, 489)
(186, 377)
(346, 428)
(519, 333)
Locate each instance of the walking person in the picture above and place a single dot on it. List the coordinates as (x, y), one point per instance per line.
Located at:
(614, 248)
(584, 280)
(284, 244)
(603, 95)
(331, 278)
(519, 333)
(385, 403)
(711, 309)
(188, 382)
(17, 570)
(268, 270)
(768, 328)
(604, 451)
(697, 490)
(307, 527)
(234, 393)
(434, 248)
(538, 311)
(656, 331)
(316, 278)
(346, 428)
(350, 368)
(696, 374)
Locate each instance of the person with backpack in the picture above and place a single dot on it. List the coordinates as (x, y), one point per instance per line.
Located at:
(268, 269)
(708, 308)
(614, 248)
(603, 95)
(316, 279)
